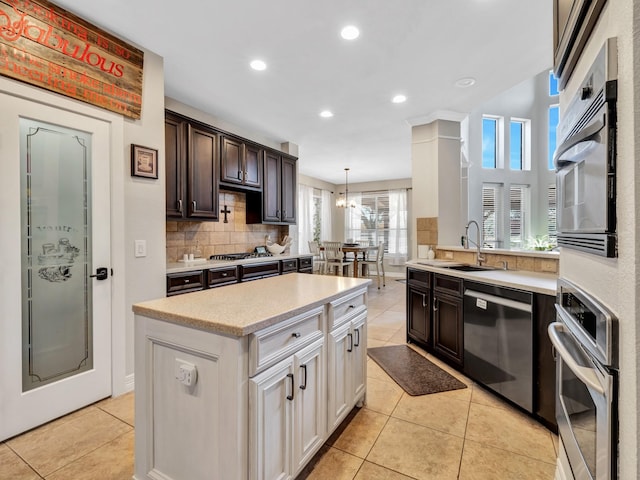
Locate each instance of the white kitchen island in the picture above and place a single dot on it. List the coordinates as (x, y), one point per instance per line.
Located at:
(247, 381)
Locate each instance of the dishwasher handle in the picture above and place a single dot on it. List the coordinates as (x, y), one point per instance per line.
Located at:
(505, 302)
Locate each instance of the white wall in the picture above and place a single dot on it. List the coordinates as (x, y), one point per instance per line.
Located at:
(615, 281)
(144, 204)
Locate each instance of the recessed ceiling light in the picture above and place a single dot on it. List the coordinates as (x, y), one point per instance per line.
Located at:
(350, 32)
(326, 114)
(399, 99)
(465, 82)
(258, 65)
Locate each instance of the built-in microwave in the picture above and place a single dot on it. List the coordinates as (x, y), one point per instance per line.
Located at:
(586, 161)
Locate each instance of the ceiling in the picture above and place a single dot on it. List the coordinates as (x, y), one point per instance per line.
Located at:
(419, 48)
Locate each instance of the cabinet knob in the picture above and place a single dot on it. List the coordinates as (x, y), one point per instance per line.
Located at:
(239, 174)
(187, 280)
(225, 274)
(295, 334)
(193, 203)
(179, 206)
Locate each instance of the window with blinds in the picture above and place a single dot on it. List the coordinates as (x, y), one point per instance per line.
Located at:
(491, 214)
(518, 213)
(378, 217)
(552, 225)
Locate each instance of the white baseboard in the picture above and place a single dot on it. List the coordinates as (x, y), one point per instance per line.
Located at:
(129, 382)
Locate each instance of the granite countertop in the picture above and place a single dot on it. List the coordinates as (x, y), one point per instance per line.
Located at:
(201, 264)
(244, 308)
(544, 283)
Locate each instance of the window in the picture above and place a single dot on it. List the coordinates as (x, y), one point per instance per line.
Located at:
(491, 214)
(554, 116)
(518, 215)
(551, 225)
(520, 143)
(317, 215)
(314, 215)
(553, 85)
(380, 216)
(489, 142)
(516, 139)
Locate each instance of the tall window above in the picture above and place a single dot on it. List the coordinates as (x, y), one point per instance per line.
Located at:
(489, 142)
(520, 143)
(491, 214)
(553, 85)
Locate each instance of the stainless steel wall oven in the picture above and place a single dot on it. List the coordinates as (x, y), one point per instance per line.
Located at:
(586, 161)
(585, 338)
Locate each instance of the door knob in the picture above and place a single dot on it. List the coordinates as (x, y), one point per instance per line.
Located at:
(101, 273)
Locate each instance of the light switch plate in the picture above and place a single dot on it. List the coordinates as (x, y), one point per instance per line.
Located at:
(140, 249)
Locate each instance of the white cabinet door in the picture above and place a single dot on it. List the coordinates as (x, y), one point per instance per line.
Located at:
(359, 357)
(309, 404)
(271, 396)
(340, 345)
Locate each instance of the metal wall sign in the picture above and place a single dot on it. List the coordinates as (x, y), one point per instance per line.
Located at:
(46, 46)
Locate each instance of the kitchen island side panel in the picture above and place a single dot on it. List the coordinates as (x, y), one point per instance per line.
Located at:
(195, 432)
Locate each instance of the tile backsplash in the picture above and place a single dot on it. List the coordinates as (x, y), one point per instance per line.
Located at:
(209, 238)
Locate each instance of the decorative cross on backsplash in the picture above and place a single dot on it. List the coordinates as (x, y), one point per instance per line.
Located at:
(225, 210)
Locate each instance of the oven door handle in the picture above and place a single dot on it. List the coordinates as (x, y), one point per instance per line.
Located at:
(589, 133)
(586, 375)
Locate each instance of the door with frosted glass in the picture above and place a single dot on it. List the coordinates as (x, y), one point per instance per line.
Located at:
(55, 291)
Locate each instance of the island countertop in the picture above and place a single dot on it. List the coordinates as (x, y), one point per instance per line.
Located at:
(244, 308)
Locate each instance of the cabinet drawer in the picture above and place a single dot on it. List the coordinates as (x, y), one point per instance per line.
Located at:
(419, 278)
(451, 285)
(272, 344)
(184, 282)
(259, 270)
(222, 276)
(305, 263)
(345, 308)
(289, 266)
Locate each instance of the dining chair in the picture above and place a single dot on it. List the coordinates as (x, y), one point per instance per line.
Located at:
(335, 260)
(379, 264)
(318, 257)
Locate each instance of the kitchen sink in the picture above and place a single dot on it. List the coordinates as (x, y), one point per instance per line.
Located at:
(470, 268)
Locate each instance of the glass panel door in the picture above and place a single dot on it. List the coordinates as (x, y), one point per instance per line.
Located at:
(56, 253)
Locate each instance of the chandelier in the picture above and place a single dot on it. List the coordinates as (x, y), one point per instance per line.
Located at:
(343, 200)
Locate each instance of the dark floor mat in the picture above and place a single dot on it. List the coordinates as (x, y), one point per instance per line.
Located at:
(414, 373)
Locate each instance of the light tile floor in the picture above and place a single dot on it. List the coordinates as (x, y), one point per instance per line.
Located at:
(466, 434)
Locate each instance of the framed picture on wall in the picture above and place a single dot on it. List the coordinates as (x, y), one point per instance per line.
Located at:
(144, 162)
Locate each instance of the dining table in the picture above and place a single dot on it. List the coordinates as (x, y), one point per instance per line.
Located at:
(357, 249)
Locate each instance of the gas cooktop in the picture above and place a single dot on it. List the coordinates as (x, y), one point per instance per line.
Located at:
(238, 256)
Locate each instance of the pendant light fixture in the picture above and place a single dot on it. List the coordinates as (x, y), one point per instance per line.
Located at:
(343, 201)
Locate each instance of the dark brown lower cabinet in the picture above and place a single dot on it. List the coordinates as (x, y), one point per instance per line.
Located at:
(448, 332)
(447, 327)
(544, 365)
(419, 307)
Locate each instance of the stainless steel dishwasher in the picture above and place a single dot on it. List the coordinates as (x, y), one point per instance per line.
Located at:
(498, 340)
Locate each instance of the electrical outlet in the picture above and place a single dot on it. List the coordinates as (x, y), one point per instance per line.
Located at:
(140, 249)
(186, 373)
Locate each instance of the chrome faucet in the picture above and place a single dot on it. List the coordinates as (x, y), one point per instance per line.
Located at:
(479, 257)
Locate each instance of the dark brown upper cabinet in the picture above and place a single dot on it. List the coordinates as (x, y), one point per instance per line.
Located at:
(240, 163)
(192, 169)
(278, 192)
